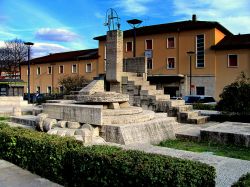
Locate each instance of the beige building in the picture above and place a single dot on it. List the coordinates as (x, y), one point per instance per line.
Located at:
(219, 57)
(46, 71)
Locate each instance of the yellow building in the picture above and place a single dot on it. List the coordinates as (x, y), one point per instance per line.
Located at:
(168, 63)
(46, 71)
(219, 57)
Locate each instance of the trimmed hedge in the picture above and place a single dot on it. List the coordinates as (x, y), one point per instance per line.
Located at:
(200, 106)
(244, 181)
(228, 117)
(66, 161)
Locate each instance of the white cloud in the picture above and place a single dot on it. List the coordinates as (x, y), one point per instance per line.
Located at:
(43, 49)
(60, 35)
(234, 15)
(99, 15)
(133, 6)
(2, 44)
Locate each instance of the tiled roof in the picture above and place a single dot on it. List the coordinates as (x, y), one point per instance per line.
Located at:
(66, 56)
(172, 27)
(241, 41)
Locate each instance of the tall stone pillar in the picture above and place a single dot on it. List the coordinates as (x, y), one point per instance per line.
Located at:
(114, 59)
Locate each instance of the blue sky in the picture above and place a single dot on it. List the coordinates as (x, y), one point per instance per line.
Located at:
(66, 25)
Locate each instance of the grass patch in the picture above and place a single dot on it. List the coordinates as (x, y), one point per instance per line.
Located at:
(217, 149)
(4, 118)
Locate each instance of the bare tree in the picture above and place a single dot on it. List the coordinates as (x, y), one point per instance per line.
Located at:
(11, 55)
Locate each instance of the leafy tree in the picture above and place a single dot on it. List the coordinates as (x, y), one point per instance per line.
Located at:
(72, 83)
(235, 97)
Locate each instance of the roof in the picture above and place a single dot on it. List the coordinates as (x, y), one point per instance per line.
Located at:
(241, 41)
(66, 56)
(172, 27)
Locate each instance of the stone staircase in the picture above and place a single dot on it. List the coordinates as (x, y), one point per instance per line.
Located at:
(141, 93)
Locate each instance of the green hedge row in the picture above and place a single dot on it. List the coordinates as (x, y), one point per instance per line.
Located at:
(67, 162)
(200, 106)
(243, 181)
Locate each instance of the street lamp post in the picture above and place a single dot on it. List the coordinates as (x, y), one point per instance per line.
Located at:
(28, 44)
(134, 23)
(190, 54)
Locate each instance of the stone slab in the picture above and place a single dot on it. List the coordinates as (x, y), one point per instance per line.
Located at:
(145, 115)
(93, 87)
(122, 111)
(91, 114)
(61, 101)
(228, 133)
(150, 132)
(103, 97)
(28, 120)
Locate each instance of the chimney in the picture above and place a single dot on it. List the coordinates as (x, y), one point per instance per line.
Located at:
(194, 18)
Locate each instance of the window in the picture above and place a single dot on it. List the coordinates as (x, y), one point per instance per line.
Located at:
(38, 70)
(149, 63)
(61, 69)
(171, 63)
(38, 89)
(170, 42)
(49, 89)
(129, 46)
(49, 70)
(88, 68)
(200, 90)
(74, 68)
(105, 57)
(232, 60)
(60, 89)
(149, 44)
(200, 51)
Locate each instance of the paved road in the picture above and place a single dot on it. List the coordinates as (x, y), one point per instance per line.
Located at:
(14, 176)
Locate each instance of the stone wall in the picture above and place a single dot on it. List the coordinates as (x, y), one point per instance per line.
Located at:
(136, 65)
(206, 81)
(12, 101)
(91, 114)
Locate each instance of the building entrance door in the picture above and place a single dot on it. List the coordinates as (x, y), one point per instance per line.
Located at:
(172, 91)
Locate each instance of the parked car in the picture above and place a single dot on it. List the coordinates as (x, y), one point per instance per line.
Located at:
(34, 97)
(204, 99)
(176, 98)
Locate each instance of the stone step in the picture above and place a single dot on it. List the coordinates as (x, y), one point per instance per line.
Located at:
(28, 120)
(146, 115)
(129, 74)
(162, 97)
(191, 134)
(198, 119)
(148, 87)
(184, 117)
(122, 111)
(151, 92)
(175, 103)
(184, 108)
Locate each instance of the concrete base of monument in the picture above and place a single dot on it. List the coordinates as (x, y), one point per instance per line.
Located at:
(98, 117)
(228, 133)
